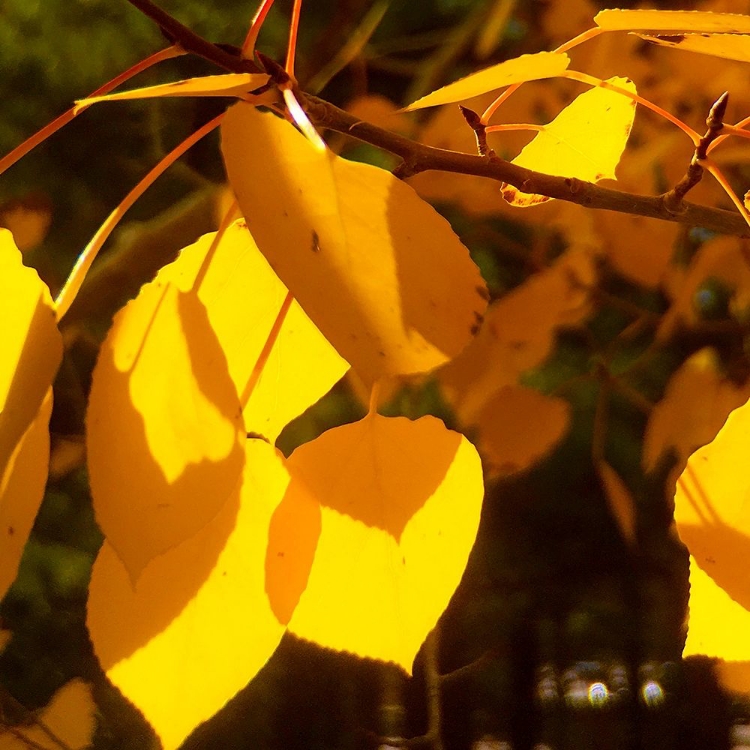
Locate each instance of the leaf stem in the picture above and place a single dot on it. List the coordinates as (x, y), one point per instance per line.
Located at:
(293, 32)
(41, 135)
(248, 46)
(70, 289)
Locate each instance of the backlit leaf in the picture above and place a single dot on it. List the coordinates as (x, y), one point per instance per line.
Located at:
(198, 624)
(712, 511)
(165, 433)
(729, 46)
(519, 332)
(68, 721)
(400, 505)
(585, 140)
(228, 84)
(30, 353)
(718, 628)
(672, 20)
(378, 270)
(22, 482)
(696, 403)
(518, 70)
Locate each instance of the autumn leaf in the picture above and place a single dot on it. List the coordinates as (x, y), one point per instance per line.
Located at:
(68, 721)
(31, 353)
(620, 500)
(584, 141)
(399, 504)
(718, 628)
(698, 399)
(672, 20)
(380, 273)
(519, 332)
(161, 642)
(517, 70)
(228, 84)
(729, 46)
(165, 434)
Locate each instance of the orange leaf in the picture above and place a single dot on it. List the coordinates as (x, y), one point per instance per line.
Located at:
(620, 500)
(672, 20)
(68, 721)
(198, 624)
(517, 70)
(696, 403)
(585, 140)
(380, 273)
(519, 332)
(400, 504)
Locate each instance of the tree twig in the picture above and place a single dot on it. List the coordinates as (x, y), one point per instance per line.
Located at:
(673, 200)
(418, 157)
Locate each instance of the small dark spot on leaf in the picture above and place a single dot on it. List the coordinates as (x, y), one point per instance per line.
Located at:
(474, 330)
(478, 317)
(279, 554)
(381, 353)
(483, 292)
(315, 242)
(11, 531)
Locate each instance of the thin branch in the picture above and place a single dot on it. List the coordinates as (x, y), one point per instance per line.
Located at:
(418, 157)
(715, 122)
(421, 158)
(191, 42)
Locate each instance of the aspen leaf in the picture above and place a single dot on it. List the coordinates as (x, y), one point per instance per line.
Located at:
(229, 84)
(22, 482)
(164, 434)
(718, 628)
(672, 20)
(30, 351)
(400, 504)
(619, 499)
(696, 403)
(728, 46)
(197, 626)
(518, 70)
(378, 270)
(519, 332)
(712, 507)
(585, 140)
(68, 721)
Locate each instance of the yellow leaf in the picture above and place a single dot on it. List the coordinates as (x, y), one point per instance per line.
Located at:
(696, 403)
(30, 353)
(585, 140)
(516, 427)
(68, 721)
(228, 84)
(400, 504)
(22, 482)
(672, 20)
(728, 46)
(518, 70)
(164, 425)
(620, 501)
(165, 433)
(377, 269)
(245, 300)
(718, 628)
(712, 507)
(198, 624)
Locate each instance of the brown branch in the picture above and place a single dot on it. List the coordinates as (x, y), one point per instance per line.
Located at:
(422, 158)
(190, 41)
(418, 157)
(715, 122)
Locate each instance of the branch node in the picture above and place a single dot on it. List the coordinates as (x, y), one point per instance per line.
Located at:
(480, 131)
